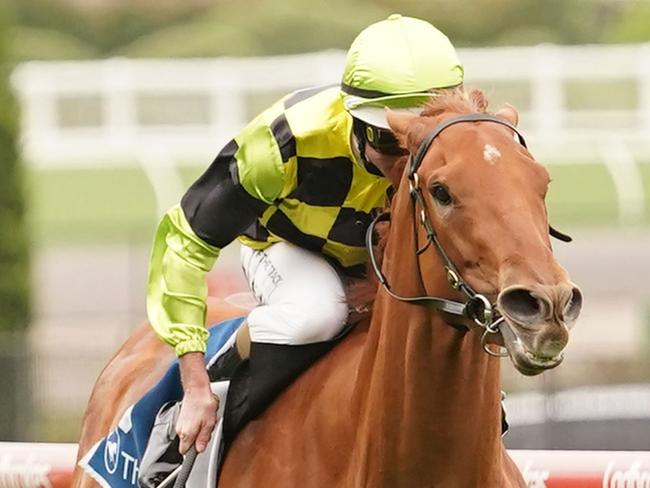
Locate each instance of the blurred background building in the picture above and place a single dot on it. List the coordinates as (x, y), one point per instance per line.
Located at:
(124, 103)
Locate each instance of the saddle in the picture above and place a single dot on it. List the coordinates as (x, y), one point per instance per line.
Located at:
(254, 384)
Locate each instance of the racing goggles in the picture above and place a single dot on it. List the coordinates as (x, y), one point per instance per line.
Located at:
(381, 140)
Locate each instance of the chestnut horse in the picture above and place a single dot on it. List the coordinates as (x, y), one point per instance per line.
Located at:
(410, 398)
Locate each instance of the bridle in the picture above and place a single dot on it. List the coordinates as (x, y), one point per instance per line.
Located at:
(476, 307)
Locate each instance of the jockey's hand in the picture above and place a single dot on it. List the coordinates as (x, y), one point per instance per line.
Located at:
(198, 414)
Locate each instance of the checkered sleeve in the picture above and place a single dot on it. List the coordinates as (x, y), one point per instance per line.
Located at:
(243, 180)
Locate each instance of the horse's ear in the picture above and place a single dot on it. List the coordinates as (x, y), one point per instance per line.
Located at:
(408, 134)
(399, 122)
(478, 99)
(509, 114)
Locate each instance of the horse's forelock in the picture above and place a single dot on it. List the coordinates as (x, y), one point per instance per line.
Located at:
(456, 100)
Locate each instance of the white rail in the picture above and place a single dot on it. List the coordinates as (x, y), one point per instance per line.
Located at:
(577, 104)
(115, 110)
(33, 465)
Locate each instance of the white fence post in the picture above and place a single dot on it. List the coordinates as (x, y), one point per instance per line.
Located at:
(547, 92)
(119, 102)
(643, 64)
(627, 179)
(227, 103)
(38, 107)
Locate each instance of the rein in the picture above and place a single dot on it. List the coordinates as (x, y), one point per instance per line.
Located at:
(476, 307)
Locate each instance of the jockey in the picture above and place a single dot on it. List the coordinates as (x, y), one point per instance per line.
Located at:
(297, 187)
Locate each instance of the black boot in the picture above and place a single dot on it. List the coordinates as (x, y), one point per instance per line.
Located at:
(223, 368)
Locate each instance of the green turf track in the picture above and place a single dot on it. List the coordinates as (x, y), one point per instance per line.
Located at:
(117, 205)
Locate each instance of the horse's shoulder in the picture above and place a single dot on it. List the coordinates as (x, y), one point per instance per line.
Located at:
(324, 387)
(134, 368)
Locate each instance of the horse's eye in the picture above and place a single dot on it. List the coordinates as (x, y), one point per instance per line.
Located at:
(441, 194)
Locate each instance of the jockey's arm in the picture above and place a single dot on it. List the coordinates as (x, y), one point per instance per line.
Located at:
(245, 178)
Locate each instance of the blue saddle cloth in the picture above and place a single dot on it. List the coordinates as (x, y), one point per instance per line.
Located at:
(114, 461)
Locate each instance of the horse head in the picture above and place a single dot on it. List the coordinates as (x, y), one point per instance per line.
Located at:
(483, 195)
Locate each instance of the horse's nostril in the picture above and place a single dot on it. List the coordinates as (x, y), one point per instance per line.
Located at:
(573, 306)
(521, 305)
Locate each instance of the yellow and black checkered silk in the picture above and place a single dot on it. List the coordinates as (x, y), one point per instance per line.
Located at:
(327, 197)
(295, 164)
(289, 175)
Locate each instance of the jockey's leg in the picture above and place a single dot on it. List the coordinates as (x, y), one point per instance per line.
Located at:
(301, 297)
(301, 301)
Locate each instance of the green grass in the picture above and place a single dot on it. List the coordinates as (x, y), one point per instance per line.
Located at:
(117, 205)
(581, 195)
(584, 196)
(101, 205)
(98, 205)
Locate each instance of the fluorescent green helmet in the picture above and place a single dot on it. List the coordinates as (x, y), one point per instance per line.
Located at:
(396, 63)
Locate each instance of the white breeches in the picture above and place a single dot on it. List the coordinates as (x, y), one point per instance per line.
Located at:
(301, 297)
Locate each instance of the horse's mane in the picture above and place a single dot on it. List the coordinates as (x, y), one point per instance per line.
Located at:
(456, 100)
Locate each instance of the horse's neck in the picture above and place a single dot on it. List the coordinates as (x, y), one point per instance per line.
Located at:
(428, 397)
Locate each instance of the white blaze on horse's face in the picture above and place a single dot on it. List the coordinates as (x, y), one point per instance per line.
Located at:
(491, 154)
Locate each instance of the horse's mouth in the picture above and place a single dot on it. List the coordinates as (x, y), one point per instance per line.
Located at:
(526, 361)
